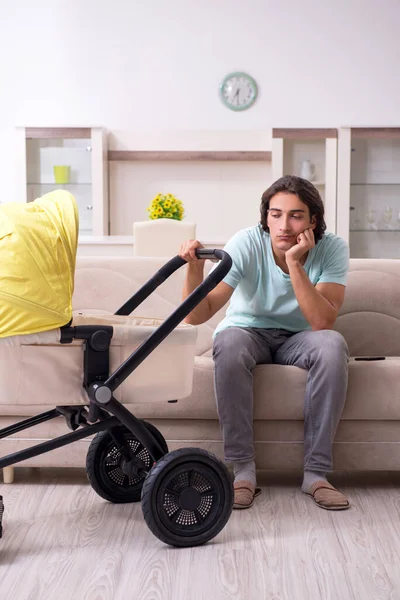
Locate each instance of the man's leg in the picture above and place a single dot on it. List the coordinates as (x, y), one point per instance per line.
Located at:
(324, 355)
(236, 352)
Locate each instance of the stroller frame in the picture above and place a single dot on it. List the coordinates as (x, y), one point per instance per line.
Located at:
(98, 384)
(105, 412)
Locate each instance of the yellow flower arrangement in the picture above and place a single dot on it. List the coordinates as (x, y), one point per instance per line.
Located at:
(166, 206)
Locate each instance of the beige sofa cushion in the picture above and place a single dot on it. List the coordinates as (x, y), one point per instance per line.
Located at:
(373, 394)
(370, 316)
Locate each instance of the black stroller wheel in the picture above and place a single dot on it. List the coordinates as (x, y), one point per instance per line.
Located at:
(103, 465)
(187, 497)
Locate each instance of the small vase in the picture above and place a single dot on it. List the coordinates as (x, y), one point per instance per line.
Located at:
(61, 174)
(307, 170)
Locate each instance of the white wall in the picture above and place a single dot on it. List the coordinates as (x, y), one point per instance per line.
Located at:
(131, 65)
(220, 197)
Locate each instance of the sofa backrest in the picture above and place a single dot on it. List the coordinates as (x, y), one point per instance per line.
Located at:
(105, 283)
(369, 318)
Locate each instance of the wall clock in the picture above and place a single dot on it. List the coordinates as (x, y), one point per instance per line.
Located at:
(238, 91)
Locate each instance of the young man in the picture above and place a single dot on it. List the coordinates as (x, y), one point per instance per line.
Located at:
(285, 287)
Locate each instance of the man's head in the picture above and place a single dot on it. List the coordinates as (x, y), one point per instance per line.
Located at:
(288, 207)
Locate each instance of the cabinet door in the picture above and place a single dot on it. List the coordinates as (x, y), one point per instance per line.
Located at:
(369, 191)
(73, 159)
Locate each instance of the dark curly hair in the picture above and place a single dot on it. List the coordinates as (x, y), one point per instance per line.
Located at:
(305, 191)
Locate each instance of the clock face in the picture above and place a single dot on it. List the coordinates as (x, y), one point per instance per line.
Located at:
(238, 91)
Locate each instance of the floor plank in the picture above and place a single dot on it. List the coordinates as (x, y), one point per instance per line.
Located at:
(62, 541)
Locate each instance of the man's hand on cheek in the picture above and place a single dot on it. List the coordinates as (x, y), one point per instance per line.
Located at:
(305, 241)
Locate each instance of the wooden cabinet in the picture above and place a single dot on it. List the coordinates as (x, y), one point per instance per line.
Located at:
(368, 209)
(312, 154)
(220, 177)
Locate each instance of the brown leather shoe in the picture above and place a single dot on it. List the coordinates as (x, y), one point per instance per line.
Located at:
(328, 497)
(245, 492)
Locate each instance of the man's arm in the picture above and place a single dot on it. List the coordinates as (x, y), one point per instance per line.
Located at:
(214, 300)
(319, 304)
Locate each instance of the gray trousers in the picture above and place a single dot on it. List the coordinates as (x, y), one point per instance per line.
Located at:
(324, 354)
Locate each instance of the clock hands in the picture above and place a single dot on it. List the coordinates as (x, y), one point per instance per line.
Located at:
(236, 96)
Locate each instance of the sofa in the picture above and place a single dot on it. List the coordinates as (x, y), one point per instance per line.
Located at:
(368, 436)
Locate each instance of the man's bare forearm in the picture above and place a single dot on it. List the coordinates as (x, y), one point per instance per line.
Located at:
(194, 277)
(318, 311)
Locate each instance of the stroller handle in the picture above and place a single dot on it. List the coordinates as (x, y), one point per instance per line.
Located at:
(210, 282)
(211, 254)
(173, 265)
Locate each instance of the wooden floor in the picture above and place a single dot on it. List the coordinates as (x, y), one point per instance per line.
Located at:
(62, 541)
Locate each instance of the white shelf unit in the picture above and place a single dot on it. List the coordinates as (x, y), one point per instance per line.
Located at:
(292, 146)
(218, 175)
(84, 150)
(368, 211)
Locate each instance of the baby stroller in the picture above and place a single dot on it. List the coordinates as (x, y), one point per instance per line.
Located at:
(187, 494)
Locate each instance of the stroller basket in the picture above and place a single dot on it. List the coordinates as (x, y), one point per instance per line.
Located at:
(187, 494)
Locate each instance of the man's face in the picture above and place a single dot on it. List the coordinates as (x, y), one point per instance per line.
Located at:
(287, 217)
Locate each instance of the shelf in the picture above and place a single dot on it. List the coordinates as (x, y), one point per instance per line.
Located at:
(58, 132)
(318, 183)
(105, 239)
(379, 133)
(304, 134)
(60, 184)
(186, 155)
(120, 240)
(365, 184)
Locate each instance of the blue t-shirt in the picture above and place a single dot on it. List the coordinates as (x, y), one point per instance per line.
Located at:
(264, 295)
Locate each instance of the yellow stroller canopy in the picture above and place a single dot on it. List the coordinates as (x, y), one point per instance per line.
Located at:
(38, 243)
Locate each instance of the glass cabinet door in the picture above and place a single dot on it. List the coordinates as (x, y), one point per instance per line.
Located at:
(72, 159)
(373, 192)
